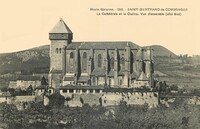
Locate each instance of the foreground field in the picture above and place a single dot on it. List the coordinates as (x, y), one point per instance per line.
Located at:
(177, 116)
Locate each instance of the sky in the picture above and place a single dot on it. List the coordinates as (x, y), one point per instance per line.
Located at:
(25, 24)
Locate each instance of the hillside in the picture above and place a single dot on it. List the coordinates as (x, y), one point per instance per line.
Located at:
(36, 60)
(26, 62)
(159, 50)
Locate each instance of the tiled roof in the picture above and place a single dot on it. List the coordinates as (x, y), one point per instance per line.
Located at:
(56, 71)
(83, 79)
(81, 87)
(99, 72)
(68, 78)
(102, 45)
(60, 27)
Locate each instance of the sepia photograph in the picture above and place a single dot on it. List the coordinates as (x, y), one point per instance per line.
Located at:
(99, 64)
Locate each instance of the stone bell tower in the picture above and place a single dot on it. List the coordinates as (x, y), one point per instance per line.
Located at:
(60, 37)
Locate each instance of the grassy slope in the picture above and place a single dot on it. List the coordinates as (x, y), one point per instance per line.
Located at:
(159, 50)
(36, 59)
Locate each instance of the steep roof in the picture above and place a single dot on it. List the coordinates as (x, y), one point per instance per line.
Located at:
(83, 79)
(99, 72)
(134, 75)
(68, 78)
(61, 27)
(142, 77)
(102, 45)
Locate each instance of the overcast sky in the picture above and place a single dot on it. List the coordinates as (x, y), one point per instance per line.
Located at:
(25, 24)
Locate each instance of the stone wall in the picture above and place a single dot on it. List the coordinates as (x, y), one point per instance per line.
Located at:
(135, 98)
(194, 100)
(12, 84)
(4, 99)
(22, 102)
(111, 98)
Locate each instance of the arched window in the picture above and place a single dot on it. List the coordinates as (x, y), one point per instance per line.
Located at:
(56, 50)
(71, 62)
(122, 63)
(99, 61)
(112, 63)
(71, 55)
(84, 62)
(60, 50)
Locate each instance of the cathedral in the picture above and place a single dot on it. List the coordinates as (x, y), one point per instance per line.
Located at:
(97, 64)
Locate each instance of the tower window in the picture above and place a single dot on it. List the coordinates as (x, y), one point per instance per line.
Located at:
(60, 50)
(62, 35)
(56, 50)
(99, 61)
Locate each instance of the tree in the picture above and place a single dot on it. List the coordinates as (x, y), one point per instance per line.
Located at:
(81, 100)
(56, 100)
(100, 101)
(12, 91)
(185, 121)
(67, 99)
(4, 89)
(43, 81)
(29, 90)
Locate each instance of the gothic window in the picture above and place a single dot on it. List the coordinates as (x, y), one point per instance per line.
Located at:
(112, 62)
(84, 62)
(71, 55)
(99, 61)
(56, 50)
(94, 80)
(71, 62)
(122, 63)
(60, 50)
